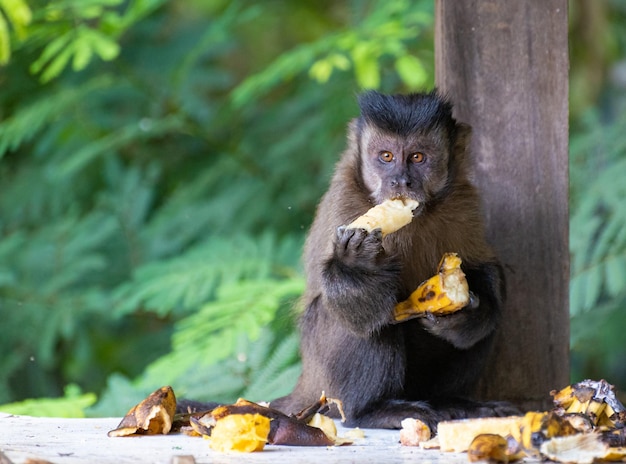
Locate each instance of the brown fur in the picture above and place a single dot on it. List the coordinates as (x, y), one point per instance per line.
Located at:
(351, 347)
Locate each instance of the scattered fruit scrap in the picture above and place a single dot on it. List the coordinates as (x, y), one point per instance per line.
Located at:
(152, 416)
(243, 426)
(586, 425)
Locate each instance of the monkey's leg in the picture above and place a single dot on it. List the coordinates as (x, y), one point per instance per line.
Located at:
(461, 408)
(389, 414)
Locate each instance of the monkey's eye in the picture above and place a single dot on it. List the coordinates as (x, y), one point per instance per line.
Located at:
(417, 157)
(386, 156)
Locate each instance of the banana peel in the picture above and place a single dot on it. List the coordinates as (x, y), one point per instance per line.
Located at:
(283, 429)
(154, 415)
(243, 426)
(586, 425)
(595, 399)
(444, 293)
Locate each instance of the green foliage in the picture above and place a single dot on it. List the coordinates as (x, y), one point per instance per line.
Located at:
(72, 404)
(17, 15)
(70, 31)
(598, 246)
(598, 223)
(153, 206)
(384, 33)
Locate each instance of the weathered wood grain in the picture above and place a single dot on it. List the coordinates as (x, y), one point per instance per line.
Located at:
(504, 63)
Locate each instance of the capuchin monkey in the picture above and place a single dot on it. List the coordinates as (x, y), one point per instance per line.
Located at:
(410, 147)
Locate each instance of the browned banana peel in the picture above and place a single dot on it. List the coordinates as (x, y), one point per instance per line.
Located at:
(154, 415)
(444, 293)
(595, 399)
(283, 429)
(586, 426)
(389, 216)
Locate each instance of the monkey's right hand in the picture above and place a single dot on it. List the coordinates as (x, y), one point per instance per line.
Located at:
(358, 247)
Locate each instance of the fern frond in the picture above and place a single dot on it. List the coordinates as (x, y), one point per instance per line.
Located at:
(598, 241)
(240, 308)
(189, 280)
(137, 130)
(72, 404)
(214, 333)
(275, 375)
(26, 122)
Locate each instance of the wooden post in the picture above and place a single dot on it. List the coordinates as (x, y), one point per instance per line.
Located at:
(504, 65)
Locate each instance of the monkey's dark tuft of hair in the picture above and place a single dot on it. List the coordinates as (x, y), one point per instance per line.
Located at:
(406, 114)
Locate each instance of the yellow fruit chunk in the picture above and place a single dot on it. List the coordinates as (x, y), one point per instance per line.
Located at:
(389, 216)
(240, 432)
(444, 293)
(457, 435)
(491, 447)
(414, 432)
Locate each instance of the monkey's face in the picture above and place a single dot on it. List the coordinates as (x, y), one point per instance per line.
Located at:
(413, 166)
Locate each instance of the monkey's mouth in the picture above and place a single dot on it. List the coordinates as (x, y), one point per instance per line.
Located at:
(409, 198)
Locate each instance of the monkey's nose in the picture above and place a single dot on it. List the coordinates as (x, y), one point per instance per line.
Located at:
(402, 181)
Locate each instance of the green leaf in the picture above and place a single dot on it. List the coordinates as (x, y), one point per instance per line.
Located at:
(107, 48)
(593, 287)
(321, 70)
(276, 374)
(57, 64)
(19, 14)
(5, 42)
(366, 66)
(115, 140)
(411, 71)
(82, 51)
(23, 124)
(212, 334)
(72, 405)
(615, 275)
(50, 51)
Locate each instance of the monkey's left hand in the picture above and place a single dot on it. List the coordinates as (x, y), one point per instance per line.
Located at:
(360, 275)
(479, 318)
(358, 248)
(459, 328)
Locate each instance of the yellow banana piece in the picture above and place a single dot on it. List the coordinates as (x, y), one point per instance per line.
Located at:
(389, 216)
(494, 448)
(444, 293)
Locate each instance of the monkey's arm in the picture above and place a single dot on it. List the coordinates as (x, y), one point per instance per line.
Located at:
(360, 280)
(479, 319)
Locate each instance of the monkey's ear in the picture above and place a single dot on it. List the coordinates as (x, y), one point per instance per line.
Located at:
(354, 132)
(463, 134)
(353, 127)
(461, 141)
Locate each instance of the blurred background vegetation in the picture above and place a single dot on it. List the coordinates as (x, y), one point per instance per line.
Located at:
(160, 163)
